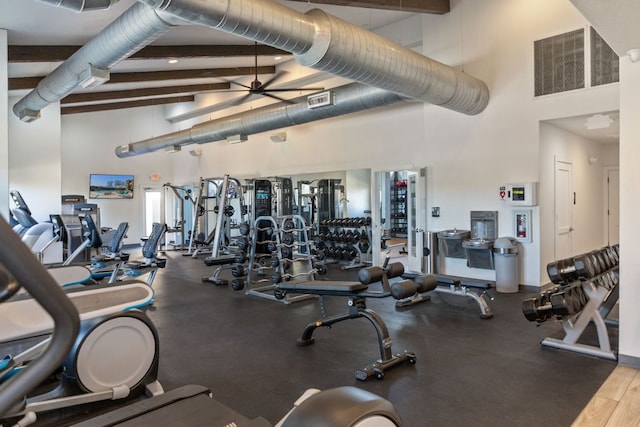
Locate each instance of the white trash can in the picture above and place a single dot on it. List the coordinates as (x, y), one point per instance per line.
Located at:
(505, 254)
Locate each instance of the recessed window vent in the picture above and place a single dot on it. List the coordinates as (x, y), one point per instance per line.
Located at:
(559, 63)
(604, 61)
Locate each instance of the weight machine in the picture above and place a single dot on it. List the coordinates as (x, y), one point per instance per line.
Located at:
(177, 213)
(228, 211)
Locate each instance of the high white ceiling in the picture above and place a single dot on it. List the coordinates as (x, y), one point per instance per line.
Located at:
(34, 22)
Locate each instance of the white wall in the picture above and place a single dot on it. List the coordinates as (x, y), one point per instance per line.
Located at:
(35, 159)
(4, 128)
(588, 221)
(629, 348)
(89, 143)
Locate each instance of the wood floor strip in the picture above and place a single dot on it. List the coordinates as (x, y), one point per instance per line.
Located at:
(616, 402)
(616, 385)
(596, 413)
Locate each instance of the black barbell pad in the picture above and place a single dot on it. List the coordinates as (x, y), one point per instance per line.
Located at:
(404, 289)
(426, 283)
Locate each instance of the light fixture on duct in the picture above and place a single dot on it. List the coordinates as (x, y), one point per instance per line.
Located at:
(28, 116)
(634, 55)
(92, 76)
(196, 152)
(278, 137)
(235, 139)
(598, 121)
(173, 149)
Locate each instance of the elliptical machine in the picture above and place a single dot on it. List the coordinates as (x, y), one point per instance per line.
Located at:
(113, 356)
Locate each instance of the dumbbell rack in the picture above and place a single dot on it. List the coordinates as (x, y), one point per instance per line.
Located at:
(289, 253)
(597, 279)
(344, 228)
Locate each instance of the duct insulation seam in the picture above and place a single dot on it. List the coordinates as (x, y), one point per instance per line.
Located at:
(349, 98)
(133, 30)
(327, 43)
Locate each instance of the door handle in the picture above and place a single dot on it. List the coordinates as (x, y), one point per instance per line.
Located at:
(571, 229)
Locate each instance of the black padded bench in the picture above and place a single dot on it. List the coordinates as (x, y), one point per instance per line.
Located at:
(357, 292)
(223, 262)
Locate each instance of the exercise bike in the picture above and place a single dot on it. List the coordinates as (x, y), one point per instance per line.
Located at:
(185, 406)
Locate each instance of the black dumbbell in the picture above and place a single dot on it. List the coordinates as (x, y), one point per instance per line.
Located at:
(240, 257)
(568, 270)
(237, 270)
(237, 284)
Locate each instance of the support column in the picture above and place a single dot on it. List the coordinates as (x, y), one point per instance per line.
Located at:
(4, 126)
(629, 346)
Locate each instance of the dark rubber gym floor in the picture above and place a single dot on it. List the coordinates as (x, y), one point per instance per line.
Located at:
(469, 372)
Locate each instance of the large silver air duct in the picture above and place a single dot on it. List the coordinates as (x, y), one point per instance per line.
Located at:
(89, 65)
(324, 42)
(347, 99)
(83, 5)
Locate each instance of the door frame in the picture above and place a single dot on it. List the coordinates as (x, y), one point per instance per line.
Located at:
(379, 185)
(571, 194)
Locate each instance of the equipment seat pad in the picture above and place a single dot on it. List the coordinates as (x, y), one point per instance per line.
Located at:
(221, 260)
(324, 288)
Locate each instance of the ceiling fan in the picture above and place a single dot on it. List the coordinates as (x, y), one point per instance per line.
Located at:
(256, 87)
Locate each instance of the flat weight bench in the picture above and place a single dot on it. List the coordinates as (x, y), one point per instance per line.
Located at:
(357, 292)
(223, 262)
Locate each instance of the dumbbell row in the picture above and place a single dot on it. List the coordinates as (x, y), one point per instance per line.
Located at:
(583, 267)
(558, 302)
(565, 300)
(337, 252)
(346, 222)
(349, 236)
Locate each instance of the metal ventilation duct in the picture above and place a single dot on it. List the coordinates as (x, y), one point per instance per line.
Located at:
(133, 30)
(83, 5)
(324, 42)
(347, 99)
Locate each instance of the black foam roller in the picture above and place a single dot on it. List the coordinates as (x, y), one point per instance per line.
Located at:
(426, 283)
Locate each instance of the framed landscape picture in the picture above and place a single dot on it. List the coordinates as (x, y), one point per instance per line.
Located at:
(106, 186)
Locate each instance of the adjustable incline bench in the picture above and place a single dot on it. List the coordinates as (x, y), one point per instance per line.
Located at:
(357, 292)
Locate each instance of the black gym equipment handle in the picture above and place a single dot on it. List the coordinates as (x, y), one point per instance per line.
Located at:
(25, 268)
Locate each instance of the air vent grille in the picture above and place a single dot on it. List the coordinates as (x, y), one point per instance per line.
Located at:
(559, 63)
(604, 61)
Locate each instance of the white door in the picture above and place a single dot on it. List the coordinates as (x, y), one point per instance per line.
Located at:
(564, 200)
(153, 208)
(416, 202)
(613, 206)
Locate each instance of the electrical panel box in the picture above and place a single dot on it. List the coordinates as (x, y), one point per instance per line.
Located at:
(523, 194)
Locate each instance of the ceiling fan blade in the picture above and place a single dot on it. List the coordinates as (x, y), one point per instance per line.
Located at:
(273, 79)
(240, 100)
(277, 97)
(295, 89)
(239, 84)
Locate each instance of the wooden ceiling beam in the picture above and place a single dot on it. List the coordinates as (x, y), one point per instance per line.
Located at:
(139, 93)
(438, 7)
(59, 53)
(126, 104)
(26, 83)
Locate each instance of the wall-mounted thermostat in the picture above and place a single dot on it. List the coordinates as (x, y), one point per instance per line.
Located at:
(522, 194)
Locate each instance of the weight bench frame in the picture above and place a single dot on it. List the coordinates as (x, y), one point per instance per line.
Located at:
(357, 294)
(223, 262)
